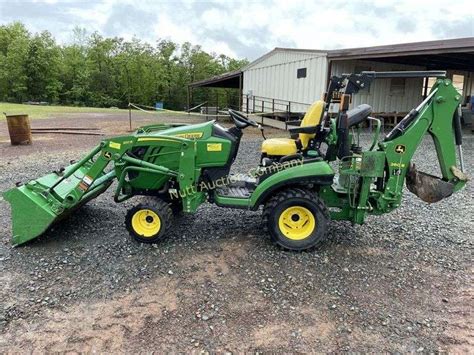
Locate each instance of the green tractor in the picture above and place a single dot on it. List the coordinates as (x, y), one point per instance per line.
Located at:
(303, 182)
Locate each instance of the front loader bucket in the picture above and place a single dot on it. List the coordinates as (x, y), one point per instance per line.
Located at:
(40, 203)
(30, 215)
(429, 188)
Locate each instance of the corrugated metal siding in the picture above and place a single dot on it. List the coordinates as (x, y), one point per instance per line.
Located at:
(279, 81)
(275, 77)
(379, 96)
(282, 57)
(470, 85)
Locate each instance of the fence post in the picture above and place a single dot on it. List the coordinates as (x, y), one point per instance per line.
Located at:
(247, 104)
(217, 105)
(253, 103)
(289, 111)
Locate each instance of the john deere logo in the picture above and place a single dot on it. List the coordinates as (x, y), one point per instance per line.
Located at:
(400, 149)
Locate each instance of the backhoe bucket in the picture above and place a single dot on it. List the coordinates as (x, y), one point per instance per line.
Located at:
(429, 188)
(38, 204)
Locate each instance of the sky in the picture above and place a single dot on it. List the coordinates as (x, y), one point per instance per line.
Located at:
(250, 29)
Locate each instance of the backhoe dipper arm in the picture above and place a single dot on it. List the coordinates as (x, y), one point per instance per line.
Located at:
(435, 115)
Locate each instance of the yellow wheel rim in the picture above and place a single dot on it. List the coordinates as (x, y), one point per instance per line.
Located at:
(297, 223)
(146, 223)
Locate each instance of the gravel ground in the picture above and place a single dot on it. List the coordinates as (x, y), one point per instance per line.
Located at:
(400, 283)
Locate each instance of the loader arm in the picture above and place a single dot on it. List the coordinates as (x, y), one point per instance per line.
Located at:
(56, 195)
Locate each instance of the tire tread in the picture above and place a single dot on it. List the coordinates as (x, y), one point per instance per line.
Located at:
(293, 192)
(154, 203)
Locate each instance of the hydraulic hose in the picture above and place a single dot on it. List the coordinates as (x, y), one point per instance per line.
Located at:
(458, 136)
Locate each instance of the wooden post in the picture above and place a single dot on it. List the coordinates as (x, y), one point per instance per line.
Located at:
(289, 112)
(425, 88)
(188, 101)
(217, 103)
(128, 89)
(240, 92)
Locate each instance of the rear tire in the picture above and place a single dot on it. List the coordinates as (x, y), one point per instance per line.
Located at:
(296, 219)
(149, 221)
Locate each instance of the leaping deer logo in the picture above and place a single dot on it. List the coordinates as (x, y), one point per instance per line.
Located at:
(400, 149)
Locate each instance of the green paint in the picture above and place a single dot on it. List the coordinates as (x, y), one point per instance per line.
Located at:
(161, 158)
(289, 176)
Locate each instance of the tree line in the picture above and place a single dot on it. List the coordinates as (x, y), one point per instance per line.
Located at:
(93, 70)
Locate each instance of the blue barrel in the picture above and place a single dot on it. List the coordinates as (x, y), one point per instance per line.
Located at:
(159, 105)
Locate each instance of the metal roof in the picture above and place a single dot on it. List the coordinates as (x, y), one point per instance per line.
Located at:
(281, 49)
(454, 54)
(458, 45)
(228, 80)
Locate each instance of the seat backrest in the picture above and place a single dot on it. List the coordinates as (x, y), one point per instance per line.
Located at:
(311, 118)
(359, 114)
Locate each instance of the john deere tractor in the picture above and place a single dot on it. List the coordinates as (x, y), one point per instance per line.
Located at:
(303, 182)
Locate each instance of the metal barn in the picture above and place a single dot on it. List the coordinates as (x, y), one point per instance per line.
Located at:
(284, 82)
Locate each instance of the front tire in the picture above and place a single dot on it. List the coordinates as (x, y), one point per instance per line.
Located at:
(149, 221)
(296, 219)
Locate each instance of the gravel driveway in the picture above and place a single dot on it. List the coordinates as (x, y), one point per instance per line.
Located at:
(402, 282)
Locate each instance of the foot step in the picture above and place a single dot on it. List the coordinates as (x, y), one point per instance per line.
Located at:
(234, 191)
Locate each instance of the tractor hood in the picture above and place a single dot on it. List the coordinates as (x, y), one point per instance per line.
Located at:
(195, 131)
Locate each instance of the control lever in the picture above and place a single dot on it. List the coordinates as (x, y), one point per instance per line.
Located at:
(260, 127)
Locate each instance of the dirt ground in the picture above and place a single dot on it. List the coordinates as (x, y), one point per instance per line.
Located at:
(400, 283)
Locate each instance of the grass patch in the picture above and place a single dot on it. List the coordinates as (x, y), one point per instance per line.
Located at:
(38, 112)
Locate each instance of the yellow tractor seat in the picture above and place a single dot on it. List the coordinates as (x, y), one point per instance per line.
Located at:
(288, 146)
(279, 146)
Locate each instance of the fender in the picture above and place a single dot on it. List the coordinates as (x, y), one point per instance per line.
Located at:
(319, 173)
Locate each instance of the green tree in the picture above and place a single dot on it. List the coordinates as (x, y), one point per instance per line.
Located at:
(168, 61)
(97, 71)
(14, 41)
(75, 74)
(42, 67)
(103, 70)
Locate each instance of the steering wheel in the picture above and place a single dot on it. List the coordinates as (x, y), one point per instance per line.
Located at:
(241, 121)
